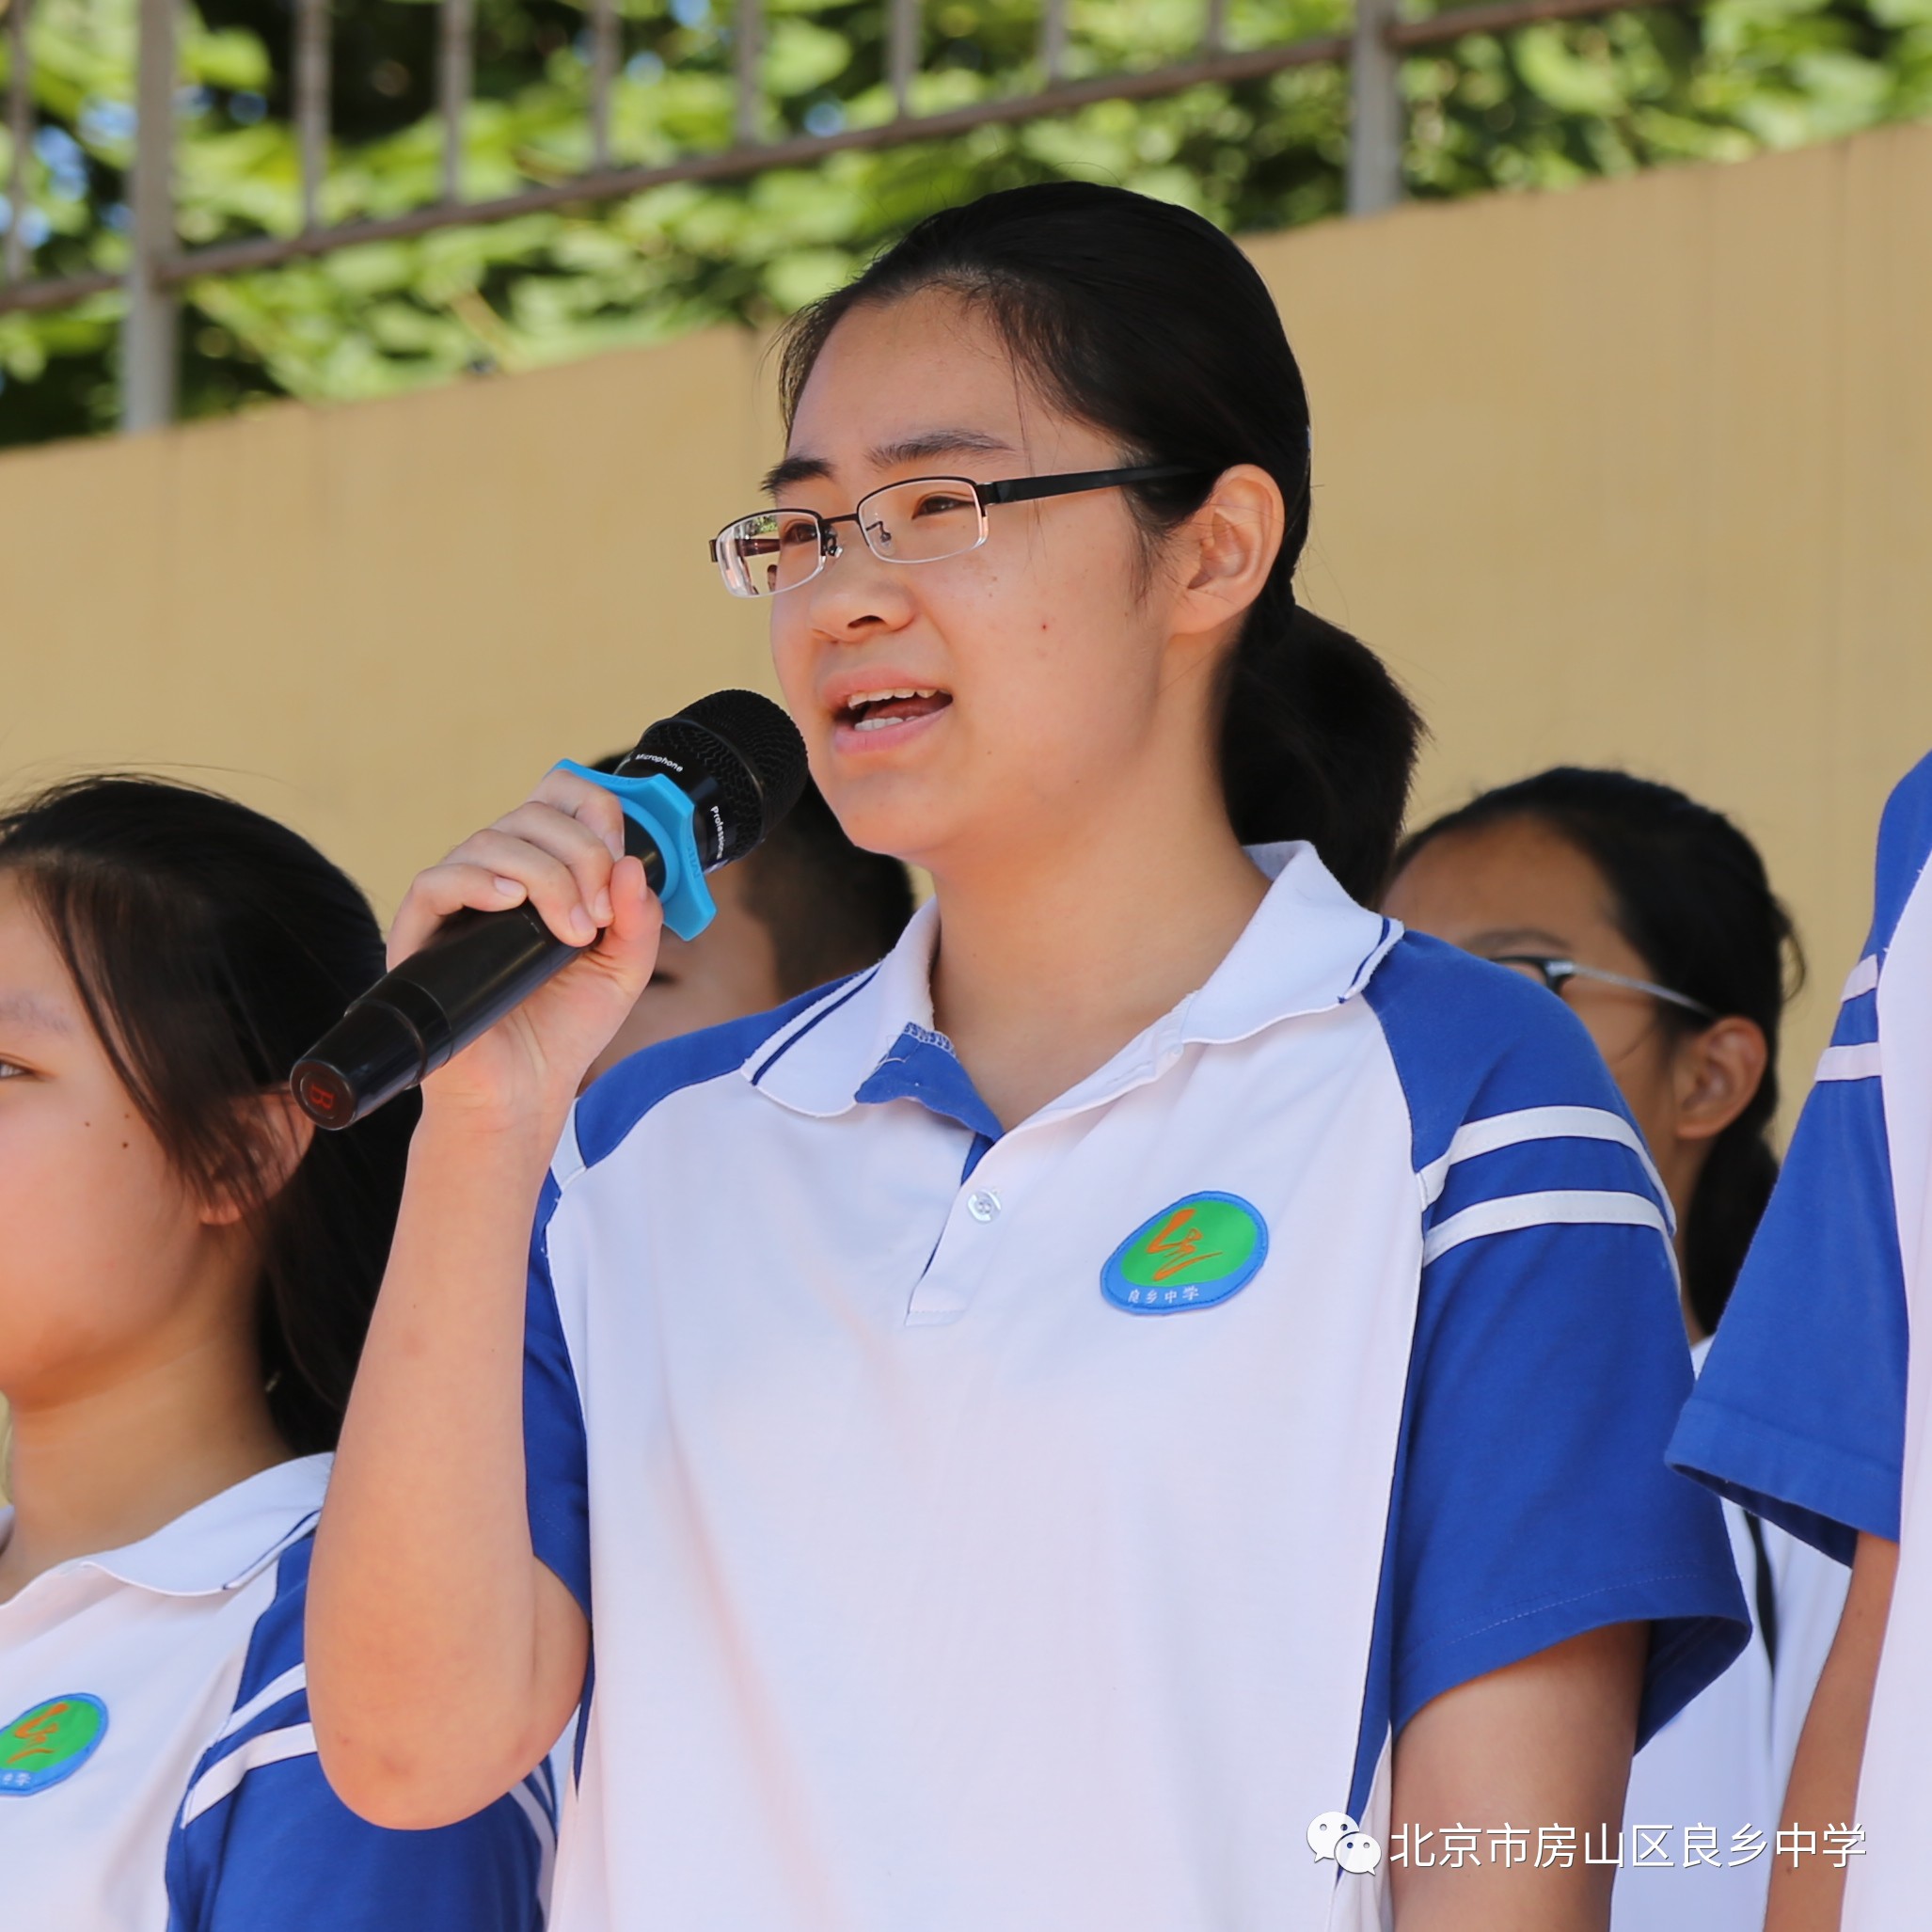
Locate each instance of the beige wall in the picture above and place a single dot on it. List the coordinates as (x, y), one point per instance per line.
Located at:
(1640, 473)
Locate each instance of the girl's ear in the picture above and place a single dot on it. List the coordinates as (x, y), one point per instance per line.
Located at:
(281, 1134)
(1227, 547)
(1716, 1074)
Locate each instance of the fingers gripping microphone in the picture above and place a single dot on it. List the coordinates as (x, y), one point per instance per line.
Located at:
(702, 789)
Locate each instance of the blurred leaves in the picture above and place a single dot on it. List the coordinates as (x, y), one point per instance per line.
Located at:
(1547, 106)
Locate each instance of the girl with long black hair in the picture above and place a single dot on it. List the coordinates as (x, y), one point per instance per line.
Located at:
(1146, 1408)
(185, 1278)
(1652, 916)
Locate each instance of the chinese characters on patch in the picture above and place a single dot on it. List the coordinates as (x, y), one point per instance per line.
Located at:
(1651, 1847)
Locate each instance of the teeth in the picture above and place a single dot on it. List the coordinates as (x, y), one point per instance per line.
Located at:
(852, 703)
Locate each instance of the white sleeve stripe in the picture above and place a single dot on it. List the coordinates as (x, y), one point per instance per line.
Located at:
(222, 1779)
(1532, 1124)
(1861, 979)
(1851, 1063)
(1559, 1208)
(567, 1162)
(244, 1715)
(532, 1806)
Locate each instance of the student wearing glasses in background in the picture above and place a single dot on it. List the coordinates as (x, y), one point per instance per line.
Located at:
(1651, 917)
(1038, 1436)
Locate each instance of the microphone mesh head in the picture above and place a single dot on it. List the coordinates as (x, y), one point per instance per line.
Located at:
(746, 747)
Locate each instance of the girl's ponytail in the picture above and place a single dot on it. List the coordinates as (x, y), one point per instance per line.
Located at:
(1317, 742)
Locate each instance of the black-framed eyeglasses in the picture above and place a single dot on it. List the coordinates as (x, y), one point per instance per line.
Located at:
(921, 520)
(1557, 974)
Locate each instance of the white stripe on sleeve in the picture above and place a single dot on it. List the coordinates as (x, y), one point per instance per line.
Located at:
(1531, 1124)
(1859, 1062)
(1558, 1208)
(221, 1779)
(532, 1808)
(296, 1678)
(1861, 979)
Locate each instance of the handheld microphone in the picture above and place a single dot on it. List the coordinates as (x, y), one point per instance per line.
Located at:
(702, 789)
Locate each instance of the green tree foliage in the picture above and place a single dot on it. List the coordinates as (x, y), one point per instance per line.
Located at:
(1547, 106)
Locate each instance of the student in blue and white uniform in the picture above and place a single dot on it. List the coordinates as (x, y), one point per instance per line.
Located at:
(1014, 1437)
(1652, 915)
(1806, 1412)
(184, 1282)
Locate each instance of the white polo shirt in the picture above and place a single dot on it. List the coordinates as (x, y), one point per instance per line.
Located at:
(1701, 1816)
(1039, 1529)
(1806, 1411)
(157, 1766)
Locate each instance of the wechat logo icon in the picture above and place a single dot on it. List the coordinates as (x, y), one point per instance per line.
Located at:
(1336, 1835)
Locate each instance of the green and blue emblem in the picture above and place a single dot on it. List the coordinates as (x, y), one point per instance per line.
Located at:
(48, 1744)
(1194, 1254)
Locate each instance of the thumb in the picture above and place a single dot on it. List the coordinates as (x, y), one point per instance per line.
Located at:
(629, 943)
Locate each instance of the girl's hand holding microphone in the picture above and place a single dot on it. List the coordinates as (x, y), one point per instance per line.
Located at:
(560, 851)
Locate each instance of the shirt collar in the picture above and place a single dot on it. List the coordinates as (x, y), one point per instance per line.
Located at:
(220, 1544)
(1307, 948)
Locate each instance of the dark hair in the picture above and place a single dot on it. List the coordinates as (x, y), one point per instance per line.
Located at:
(1689, 892)
(210, 947)
(1147, 322)
(829, 906)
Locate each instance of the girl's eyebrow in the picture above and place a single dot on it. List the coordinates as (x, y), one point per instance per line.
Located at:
(1503, 939)
(919, 449)
(31, 1011)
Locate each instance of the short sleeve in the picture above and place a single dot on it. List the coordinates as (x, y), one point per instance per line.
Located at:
(1531, 1501)
(284, 1851)
(1800, 1414)
(556, 1455)
(262, 1840)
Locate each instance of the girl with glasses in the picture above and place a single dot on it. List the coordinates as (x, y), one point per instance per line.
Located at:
(1102, 1420)
(187, 1272)
(1652, 916)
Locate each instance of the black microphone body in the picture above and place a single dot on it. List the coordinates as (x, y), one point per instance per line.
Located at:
(701, 789)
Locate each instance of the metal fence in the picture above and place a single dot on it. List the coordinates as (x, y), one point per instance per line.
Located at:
(160, 266)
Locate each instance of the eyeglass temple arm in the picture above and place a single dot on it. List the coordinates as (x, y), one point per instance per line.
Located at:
(1555, 971)
(1027, 489)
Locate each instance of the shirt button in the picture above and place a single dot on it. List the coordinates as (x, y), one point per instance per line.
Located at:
(983, 1204)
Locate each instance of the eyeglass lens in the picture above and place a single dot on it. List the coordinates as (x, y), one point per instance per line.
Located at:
(919, 521)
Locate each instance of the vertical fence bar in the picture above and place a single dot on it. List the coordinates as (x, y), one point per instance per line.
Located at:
(19, 138)
(455, 34)
(311, 102)
(1217, 26)
(902, 51)
(1375, 112)
(1053, 40)
(150, 332)
(751, 50)
(603, 52)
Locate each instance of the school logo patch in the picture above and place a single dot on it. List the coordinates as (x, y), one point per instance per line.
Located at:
(50, 1743)
(1192, 1254)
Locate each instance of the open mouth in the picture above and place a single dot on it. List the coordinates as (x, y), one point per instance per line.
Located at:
(885, 710)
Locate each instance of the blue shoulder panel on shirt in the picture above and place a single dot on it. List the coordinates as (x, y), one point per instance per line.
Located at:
(1530, 1500)
(614, 1103)
(556, 1448)
(261, 1839)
